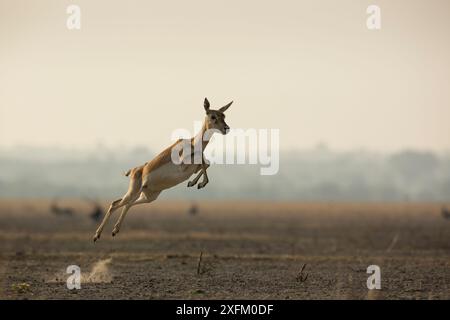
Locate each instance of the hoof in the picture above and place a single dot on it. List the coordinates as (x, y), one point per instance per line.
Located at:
(96, 237)
(200, 186)
(190, 184)
(115, 232)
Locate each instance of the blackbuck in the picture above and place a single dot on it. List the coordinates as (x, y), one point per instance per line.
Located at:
(172, 166)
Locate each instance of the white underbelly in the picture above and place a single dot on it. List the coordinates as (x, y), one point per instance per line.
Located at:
(169, 175)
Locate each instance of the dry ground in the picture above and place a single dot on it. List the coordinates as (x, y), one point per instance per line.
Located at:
(250, 251)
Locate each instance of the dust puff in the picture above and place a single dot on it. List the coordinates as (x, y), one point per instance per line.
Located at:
(100, 273)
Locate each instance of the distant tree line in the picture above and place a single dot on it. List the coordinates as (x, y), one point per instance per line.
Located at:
(317, 174)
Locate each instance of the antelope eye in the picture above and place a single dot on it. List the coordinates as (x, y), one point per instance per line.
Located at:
(213, 117)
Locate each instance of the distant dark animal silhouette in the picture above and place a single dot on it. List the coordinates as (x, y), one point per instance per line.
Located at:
(445, 213)
(60, 211)
(96, 213)
(193, 209)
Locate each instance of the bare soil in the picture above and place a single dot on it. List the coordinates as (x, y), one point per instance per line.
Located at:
(250, 250)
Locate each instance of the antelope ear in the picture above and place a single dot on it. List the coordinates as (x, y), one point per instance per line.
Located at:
(224, 108)
(206, 105)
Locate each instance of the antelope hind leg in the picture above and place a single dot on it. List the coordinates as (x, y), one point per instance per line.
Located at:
(145, 197)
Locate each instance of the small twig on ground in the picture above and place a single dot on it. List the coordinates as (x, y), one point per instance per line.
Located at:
(393, 242)
(300, 276)
(199, 265)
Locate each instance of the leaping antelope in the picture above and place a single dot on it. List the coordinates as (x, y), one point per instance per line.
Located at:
(148, 180)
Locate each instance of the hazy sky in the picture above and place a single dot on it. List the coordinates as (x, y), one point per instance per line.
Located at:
(137, 70)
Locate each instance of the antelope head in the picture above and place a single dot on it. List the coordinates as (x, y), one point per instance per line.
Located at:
(215, 119)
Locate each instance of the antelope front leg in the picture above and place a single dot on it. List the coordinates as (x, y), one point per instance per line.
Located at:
(193, 182)
(202, 172)
(205, 176)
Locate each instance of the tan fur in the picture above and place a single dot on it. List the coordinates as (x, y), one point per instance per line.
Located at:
(148, 180)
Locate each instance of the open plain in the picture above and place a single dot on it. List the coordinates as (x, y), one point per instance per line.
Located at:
(249, 250)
